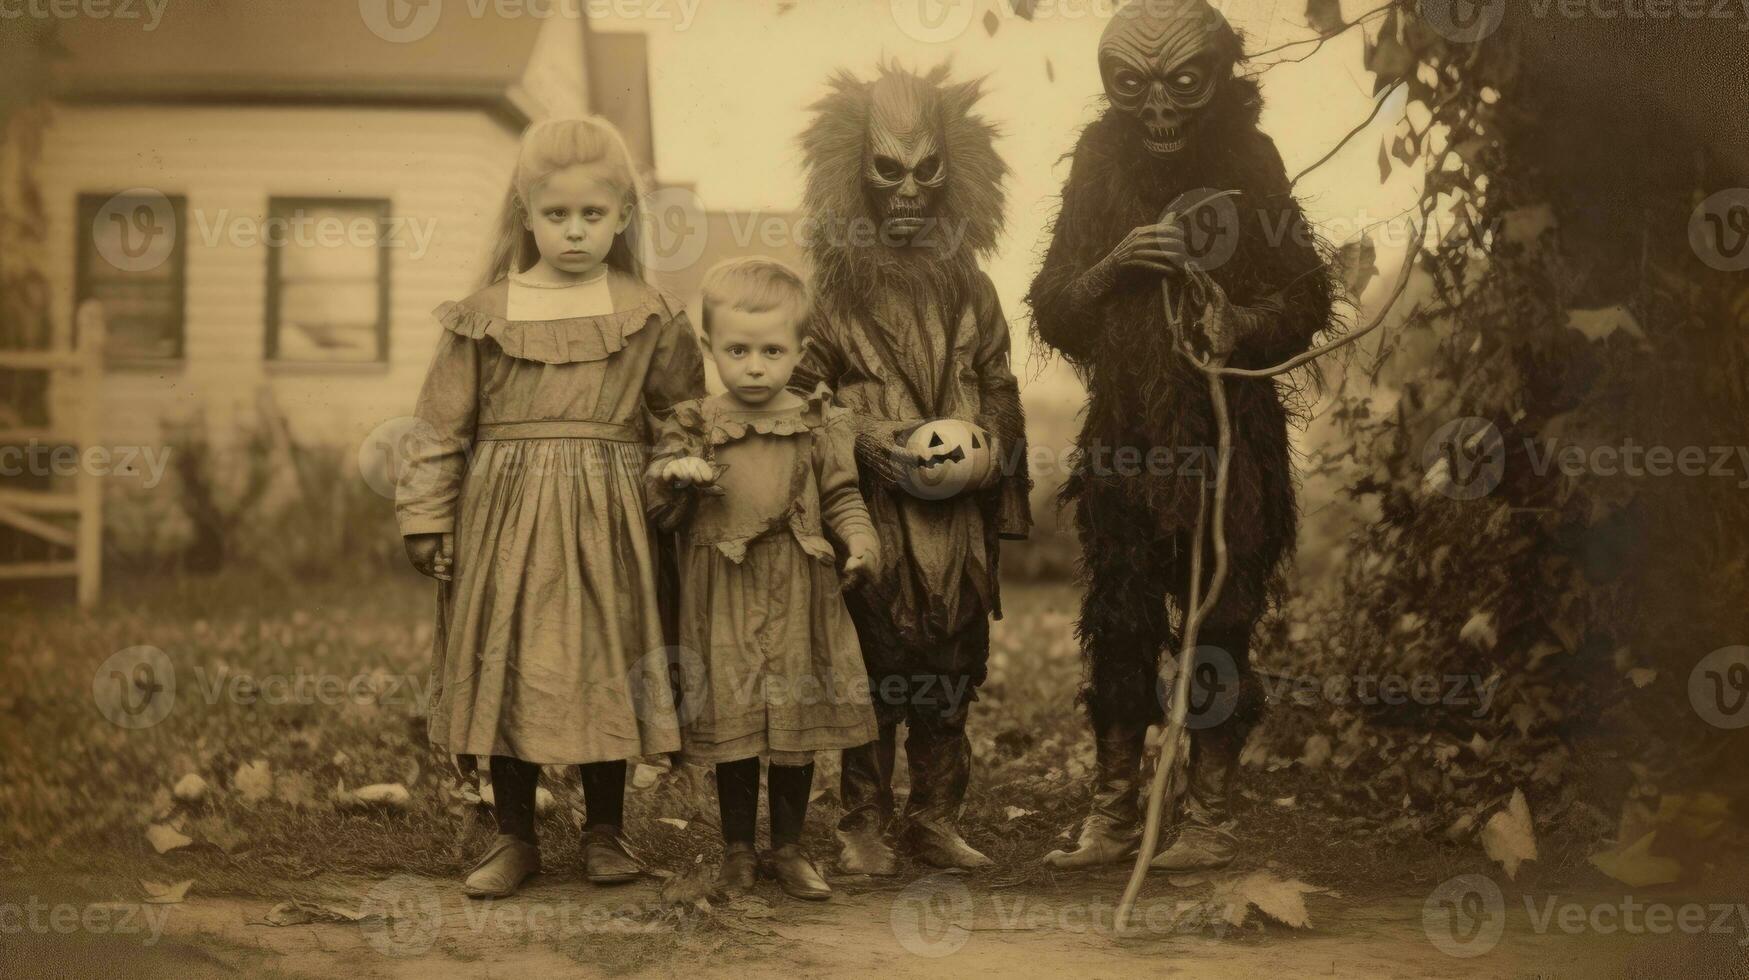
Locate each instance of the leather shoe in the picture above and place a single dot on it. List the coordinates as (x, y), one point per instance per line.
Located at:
(606, 858)
(796, 875)
(503, 868)
(735, 875)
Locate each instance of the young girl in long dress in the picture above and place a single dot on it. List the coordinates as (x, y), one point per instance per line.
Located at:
(756, 478)
(526, 494)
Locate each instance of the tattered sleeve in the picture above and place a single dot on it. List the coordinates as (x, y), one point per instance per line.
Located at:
(437, 448)
(676, 368)
(877, 440)
(1002, 416)
(1067, 303)
(841, 505)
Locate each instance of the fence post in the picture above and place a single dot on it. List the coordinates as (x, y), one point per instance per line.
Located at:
(89, 553)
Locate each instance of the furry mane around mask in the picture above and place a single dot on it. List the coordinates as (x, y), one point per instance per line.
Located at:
(835, 156)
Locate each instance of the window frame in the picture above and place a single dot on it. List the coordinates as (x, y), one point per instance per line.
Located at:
(285, 206)
(86, 206)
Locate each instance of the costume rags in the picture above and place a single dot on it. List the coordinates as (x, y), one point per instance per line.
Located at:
(907, 328)
(1154, 150)
(531, 447)
(769, 660)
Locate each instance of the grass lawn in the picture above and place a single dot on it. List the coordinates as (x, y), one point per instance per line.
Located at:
(286, 694)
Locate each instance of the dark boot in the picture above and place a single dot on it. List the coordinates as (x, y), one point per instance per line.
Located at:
(735, 875)
(1113, 825)
(941, 770)
(607, 859)
(867, 788)
(1204, 841)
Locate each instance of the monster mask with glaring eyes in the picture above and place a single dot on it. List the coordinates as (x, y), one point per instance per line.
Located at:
(1163, 61)
(905, 170)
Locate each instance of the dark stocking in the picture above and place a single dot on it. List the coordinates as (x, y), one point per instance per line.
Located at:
(513, 786)
(604, 794)
(787, 796)
(738, 798)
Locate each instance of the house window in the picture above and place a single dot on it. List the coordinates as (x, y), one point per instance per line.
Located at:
(327, 280)
(132, 258)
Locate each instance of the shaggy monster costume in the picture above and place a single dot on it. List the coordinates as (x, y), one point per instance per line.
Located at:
(1179, 122)
(903, 195)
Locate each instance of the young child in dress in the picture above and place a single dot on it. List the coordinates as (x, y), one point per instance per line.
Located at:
(525, 495)
(755, 478)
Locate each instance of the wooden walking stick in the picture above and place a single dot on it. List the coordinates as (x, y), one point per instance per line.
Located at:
(1175, 738)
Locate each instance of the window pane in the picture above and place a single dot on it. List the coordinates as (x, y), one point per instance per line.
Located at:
(142, 296)
(328, 265)
(141, 317)
(322, 321)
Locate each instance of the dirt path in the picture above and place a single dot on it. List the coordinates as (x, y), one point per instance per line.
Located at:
(932, 928)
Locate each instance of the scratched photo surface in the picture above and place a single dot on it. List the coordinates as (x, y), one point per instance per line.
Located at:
(900, 488)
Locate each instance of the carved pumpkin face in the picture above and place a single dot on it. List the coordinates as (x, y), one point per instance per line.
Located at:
(957, 457)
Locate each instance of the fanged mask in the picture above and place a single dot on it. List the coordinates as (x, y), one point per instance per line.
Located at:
(1162, 62)
(906, 168)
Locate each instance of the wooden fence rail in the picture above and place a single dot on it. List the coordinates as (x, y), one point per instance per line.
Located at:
(30, 511)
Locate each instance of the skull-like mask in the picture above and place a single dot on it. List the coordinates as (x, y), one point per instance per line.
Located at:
(905, 168)
(1162, 62)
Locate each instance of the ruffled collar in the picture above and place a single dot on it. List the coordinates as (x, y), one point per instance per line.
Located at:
(718, 425)
(563, 341)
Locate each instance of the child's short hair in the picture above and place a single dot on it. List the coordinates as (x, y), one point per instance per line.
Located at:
(755, 284)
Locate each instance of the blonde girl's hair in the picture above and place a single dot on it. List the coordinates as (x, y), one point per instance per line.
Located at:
(551, 145)
(755, 284)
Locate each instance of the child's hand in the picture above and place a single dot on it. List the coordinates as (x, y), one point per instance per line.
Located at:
(859, 568)
(432, 554)
(689, 471)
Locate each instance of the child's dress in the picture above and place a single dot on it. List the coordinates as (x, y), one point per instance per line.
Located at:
(768, 659)
(531, 446)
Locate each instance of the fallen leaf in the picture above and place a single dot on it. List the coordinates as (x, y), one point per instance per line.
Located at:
(1015, 812)
(1283, 900)
(190, 789)
(675, 822)
(1317, 752)
(297, 913)
(294, 789)
(1480, 631)
(1636, 865)
(1508, 837)
(1640, 677)
(165, 838)
(158, 893)
(253, 781)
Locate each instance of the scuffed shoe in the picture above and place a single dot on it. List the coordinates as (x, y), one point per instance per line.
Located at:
(1199, 847)
(1103, 840)
(939, 844)
(865, 851)
(796, 875)
(606, 858)
(507, 863)
(736, 874)
(1113, 826)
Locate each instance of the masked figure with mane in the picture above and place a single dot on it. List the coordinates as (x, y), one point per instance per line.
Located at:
(903, 197)
(1178, 124)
